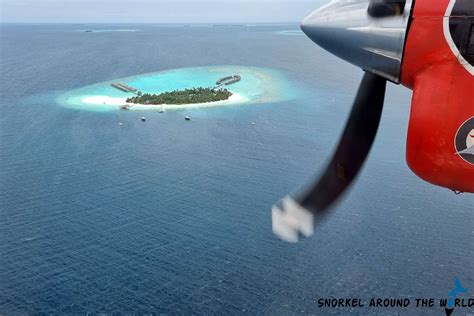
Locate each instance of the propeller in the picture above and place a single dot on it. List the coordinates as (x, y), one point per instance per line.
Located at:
(386, 8)
(299, 215)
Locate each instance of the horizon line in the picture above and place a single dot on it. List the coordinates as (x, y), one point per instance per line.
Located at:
(153, 23)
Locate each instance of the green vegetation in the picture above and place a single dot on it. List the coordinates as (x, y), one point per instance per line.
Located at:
(187, 96)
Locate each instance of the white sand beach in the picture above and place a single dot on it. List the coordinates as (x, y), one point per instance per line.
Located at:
(117, 102)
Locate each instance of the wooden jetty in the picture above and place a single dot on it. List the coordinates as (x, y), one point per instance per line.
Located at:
(123, 87)
(228, 80)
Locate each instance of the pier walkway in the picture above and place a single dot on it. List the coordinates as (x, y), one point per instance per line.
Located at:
(228, 80)
(123, 87)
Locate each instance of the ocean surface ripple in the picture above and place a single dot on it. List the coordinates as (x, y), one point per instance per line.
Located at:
(173, 217)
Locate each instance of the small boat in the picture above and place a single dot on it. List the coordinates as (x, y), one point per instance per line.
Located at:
(187, 118)
(161, 110)
(143, 119)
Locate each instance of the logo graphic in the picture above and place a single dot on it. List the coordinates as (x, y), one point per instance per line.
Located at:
(458, 32)
(459, 289)
(465, 141)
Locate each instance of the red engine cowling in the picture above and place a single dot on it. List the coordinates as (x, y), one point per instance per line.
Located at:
(437, 65)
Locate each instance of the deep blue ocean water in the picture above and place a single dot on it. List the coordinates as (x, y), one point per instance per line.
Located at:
(174, 217)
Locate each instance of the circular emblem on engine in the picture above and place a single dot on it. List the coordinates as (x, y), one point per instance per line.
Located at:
(459, 31)
(465, 141)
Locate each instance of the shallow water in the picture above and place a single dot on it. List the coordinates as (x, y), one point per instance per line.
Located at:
(173, 217)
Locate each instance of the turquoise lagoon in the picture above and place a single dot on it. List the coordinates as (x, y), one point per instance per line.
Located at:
(258, 85)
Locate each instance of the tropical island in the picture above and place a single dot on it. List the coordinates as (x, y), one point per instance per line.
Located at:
(165, 90)
(179, 97)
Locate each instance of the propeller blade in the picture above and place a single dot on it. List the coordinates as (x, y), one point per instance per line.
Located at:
(298, 216)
